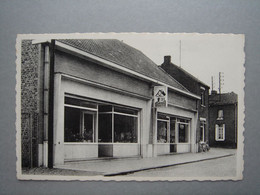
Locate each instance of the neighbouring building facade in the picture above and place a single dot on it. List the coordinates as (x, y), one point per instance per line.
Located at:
(197, 87)
(223, 119)
(96, 98)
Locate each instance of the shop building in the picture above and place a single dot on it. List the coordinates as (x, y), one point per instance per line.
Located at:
(100, 98)
(223, 119)
(197, 87)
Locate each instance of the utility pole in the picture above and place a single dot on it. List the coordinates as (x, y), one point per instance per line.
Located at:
(180, 53)
(212, 83)
(221, 83)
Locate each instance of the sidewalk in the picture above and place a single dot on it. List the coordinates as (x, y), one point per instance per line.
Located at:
(113, 167)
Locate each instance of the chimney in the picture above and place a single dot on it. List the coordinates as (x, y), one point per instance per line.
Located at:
(167, 59)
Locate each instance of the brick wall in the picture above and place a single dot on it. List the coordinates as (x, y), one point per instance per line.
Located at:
(229, 120)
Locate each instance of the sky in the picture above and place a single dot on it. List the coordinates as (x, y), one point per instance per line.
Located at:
(202, 55)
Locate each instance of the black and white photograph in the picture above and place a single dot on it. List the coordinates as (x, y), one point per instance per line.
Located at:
(130, 106)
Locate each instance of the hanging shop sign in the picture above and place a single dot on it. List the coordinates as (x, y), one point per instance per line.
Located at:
(160, 96)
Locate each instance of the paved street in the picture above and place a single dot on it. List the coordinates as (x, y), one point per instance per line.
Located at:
(214, 163)
(222, 167)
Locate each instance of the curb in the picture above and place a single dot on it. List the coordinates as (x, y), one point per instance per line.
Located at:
(164, 166)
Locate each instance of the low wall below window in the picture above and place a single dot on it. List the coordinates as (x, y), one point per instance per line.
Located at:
(78, 151)
(126, 149)
(163, 149)
(84, 151)
(183, 148)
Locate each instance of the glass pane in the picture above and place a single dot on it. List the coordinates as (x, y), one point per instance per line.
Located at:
(220, 114)
(161, 131)
(104, 108)
(202, 127)
(77, 102)
(183, 133)
(161, 116)
(88, 127)
(172, 131)
(105, 128)
(72, 125)
(125, 110)
(220, 130)
(125, 129)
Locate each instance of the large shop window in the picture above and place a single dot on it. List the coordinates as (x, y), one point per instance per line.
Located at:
(162, 128)
(168, 127)
(84, 121)
(79, 121)
(117, 124)
(183, 133)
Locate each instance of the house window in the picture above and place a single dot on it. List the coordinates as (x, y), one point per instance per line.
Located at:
(202, 131)
(117, 124)
(220, 132)
(202, 96)
(220, 115)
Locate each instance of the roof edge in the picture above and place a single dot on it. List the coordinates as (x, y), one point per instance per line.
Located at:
(185, 71)
(72, 50)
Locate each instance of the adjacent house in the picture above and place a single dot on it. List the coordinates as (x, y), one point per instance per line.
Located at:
(223, 119)
(95, 98)
(197, 87)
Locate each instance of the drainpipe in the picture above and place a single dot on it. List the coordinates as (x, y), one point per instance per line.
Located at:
(51, 105)
(46, 103)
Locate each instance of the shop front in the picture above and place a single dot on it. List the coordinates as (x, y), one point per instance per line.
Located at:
(106, 106)
(173, 134)
(97, 126)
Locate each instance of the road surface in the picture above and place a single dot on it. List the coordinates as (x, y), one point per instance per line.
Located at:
(222, 167)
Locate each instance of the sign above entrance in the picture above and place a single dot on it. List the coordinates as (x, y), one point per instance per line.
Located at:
(160, 96)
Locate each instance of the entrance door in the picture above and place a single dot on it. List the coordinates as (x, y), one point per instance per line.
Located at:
(172, 135)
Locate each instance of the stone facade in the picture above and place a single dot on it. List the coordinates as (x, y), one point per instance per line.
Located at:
(30, 104)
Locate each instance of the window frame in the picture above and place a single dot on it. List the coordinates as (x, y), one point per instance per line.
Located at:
(203, 125)
(178, 121)
(202, 96)
(220, 114)
(96, 113)
(167, 130)
(217, 132)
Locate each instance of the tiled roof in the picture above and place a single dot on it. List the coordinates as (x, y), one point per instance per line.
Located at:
(187, 73)
(224, 98)
(122, 54)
